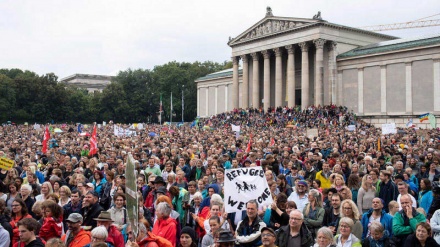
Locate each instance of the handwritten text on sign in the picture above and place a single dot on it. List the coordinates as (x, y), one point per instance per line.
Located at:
(243, 185)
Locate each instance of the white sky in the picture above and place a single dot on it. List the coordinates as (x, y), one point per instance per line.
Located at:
(104, 37)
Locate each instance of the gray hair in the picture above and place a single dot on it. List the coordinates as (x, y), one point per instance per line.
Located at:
(376, 227)
(217, 198)
(298, 211)
(327, 234)
(164, 208)
(26, 186)
(198, 195)
(347, 221)
(100, 232)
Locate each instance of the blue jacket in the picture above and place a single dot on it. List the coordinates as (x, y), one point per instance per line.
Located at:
(385, 219)
(425, 200)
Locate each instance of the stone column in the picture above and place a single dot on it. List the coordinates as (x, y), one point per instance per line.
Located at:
(235, 86)
(255, 81)
(278, 77)
(266, 56)
(332, 72)
(319, 72)
(304, 75)
(339, 89)
(207, 101)
(290, 75)
(245, 84)
(216, 100)
(226, 97)
(383, 89)
(436, 86)
(361, 91)
(408, 87)
(198, 101)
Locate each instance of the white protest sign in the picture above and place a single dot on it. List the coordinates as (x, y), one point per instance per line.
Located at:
(243, 185)
(351, 127)
(235, 128)
(389, 128)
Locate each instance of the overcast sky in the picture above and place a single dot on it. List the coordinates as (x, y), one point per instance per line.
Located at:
(104, 37)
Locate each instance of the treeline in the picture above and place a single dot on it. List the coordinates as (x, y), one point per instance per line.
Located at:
(133, 96)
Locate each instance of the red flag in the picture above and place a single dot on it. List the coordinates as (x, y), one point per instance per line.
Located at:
(249, 145)
(93, 143)
(272, 142)
(45, 140)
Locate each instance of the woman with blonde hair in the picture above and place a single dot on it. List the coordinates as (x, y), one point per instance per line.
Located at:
(314, 212)
(10, 176)
(350, 210)
(46, 189)
(338, 181)
(65, 193)
(366, 194)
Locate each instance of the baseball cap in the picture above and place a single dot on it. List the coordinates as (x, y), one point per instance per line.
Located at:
(75, 217)
(90, 185)
(269, 229)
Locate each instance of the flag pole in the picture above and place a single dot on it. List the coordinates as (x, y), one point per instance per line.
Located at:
(171, 112)
(160, 110)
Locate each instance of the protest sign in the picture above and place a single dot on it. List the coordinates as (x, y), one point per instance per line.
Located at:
(235, 128)
(243, 185)
(312, 133)
(351, 127)
(389, 128)
(6, 163)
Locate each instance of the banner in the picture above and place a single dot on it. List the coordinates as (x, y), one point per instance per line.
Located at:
(235, 128)
(119, 131)
(432, 120)
(389, 129)
(6, 163)
(243, 185)
(93, 143)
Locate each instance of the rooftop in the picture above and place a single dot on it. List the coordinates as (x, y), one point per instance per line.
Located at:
(219, 74)
(393, 45)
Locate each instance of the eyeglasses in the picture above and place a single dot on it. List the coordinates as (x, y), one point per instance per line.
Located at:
(17, 205)
(295, 219)
(347, 208)
(267, 235)
(344, 226)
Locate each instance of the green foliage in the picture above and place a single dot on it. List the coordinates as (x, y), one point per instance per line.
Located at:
(133, 95)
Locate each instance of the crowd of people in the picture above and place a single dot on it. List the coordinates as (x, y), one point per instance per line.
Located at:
(340, 187)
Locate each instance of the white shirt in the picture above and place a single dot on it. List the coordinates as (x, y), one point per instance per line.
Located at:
(300, 202)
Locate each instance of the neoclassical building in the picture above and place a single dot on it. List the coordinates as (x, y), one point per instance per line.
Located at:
(285, 61)
(90, 82)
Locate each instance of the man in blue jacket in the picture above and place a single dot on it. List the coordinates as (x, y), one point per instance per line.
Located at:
(378, 214)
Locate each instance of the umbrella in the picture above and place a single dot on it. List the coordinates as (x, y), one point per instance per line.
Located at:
(152, 134)
(58, 130)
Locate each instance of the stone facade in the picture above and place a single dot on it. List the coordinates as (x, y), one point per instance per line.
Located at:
(296, 61)
(90, 82)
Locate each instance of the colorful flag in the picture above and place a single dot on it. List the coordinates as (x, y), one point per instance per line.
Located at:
(45, 140)
(423, 117)
(93, 143)
(410, 124)
(272, 142)
(80, 128)
(432, 120)
(249, 145)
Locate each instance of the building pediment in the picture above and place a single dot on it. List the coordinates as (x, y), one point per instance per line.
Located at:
(272, 25)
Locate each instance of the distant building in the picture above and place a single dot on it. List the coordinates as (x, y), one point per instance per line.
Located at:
(90, 82)
(287, 61)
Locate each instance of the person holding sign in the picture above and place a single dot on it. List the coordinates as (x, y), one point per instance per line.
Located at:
(248, 233)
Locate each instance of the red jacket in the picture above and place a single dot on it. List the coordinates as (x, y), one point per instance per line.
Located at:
(14, 226)
(166, 228)
(82, 238)
(51, 228)
(115, 237)
(151, 240)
